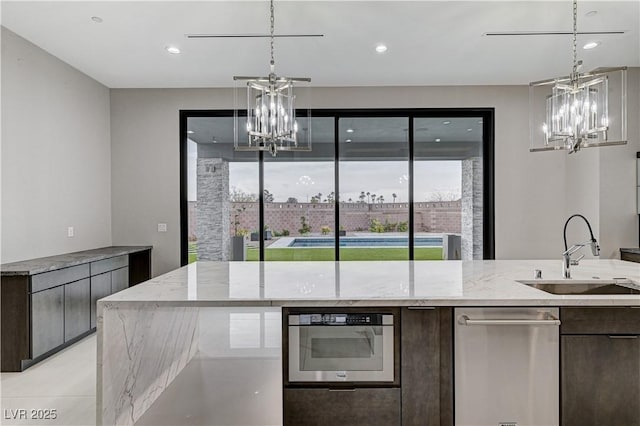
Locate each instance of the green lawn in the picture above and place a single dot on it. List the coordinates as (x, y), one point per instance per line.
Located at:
(346, 253)
(193, 252)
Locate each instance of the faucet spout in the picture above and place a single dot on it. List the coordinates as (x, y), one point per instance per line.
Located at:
(566, 255)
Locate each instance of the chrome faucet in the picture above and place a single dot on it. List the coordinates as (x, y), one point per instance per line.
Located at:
(567, 262)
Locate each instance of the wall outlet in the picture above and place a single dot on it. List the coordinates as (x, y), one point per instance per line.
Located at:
(162, 227)
(70, 232)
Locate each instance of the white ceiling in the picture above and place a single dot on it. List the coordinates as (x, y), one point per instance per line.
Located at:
(430, 42)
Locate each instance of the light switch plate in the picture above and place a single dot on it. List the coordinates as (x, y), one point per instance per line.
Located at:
(70, 232)
(162, 227)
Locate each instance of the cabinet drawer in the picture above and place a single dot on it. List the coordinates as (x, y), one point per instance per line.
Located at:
(110, 264)
(600, 320)
(359, 407)
(47, 280)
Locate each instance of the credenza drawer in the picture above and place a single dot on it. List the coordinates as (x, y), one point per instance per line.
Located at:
(110, 264)
(58, 277)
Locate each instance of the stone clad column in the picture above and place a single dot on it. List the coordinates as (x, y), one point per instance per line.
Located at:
(213, 209)
(472, 214)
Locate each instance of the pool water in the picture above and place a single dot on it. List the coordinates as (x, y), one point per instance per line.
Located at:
(367, 242)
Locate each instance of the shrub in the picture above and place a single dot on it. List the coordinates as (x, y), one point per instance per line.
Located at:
(389, 227)
(285, 233)
(305, 228)
(325, 230)
(403, 226)
(376, 226)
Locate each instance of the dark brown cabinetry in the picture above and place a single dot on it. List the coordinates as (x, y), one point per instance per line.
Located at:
(425, 395)
(49, 303)
(631, 255)
(353, 407)
(426, 366)
(100, 287)
(600, 366)
(77, 301)
(47, 320)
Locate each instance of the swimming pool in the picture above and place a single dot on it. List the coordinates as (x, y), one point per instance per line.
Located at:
(366, 242)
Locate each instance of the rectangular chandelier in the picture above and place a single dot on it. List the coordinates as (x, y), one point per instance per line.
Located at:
(271, 121)
(585, 111)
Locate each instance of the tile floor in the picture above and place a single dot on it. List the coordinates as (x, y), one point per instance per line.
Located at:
(65, 382)
(235, 379)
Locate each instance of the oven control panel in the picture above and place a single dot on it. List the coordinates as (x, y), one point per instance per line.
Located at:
(339, 319)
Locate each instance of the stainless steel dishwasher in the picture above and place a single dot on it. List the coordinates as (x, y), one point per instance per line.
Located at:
(507, 366)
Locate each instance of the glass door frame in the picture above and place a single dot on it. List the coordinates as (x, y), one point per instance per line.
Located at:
(488, 175)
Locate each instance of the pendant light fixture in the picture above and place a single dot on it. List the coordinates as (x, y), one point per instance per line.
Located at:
(271, 123)
(580, 110)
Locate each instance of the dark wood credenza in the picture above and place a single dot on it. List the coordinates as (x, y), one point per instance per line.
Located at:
(49, 303)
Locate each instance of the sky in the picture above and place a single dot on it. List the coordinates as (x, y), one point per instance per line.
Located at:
(303, 180)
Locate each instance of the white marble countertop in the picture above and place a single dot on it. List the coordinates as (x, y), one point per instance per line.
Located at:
(390, 283)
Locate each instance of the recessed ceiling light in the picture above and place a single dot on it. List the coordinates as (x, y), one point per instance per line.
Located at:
(591, 45)
(381, 48)
(96, 19)
(349, 130)
(469, 130)
(446, 122)
(173, 50)
(190, 132)
(591, 13)
(348, 141)
(480, 122)
(437, 139)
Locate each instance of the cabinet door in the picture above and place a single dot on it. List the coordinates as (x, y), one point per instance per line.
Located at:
(100, 287)
(119, 280)
(77, 309)
(47, 320)
(426, 368)
(353, 407)
(600, 380)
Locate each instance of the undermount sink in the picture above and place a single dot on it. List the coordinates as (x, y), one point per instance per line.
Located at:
(621, 286)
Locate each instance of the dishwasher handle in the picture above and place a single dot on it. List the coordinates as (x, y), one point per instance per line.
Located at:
(551, 320)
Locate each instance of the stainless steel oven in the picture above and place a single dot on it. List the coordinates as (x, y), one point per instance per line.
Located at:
(341, 347)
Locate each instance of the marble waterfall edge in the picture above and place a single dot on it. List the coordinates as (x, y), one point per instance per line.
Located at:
(148, 346)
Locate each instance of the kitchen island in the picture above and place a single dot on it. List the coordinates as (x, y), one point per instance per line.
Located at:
(149, 333)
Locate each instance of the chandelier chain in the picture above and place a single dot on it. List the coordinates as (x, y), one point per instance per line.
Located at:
(575, 38)
(273, 61)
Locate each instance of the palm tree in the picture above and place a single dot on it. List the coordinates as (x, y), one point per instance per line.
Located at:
(368, 199)
(394, 195)
(362, 195)
(373, 198)
(381, 199)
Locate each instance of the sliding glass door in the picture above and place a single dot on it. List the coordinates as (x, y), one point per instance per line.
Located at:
(377, 185)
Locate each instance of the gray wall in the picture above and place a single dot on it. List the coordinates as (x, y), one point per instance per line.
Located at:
(56, 155)
(530, 188)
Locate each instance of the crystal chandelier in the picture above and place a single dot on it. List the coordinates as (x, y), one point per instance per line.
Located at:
(578, 110)
(271, 123)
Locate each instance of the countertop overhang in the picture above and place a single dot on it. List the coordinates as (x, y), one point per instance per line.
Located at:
(371, 283)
